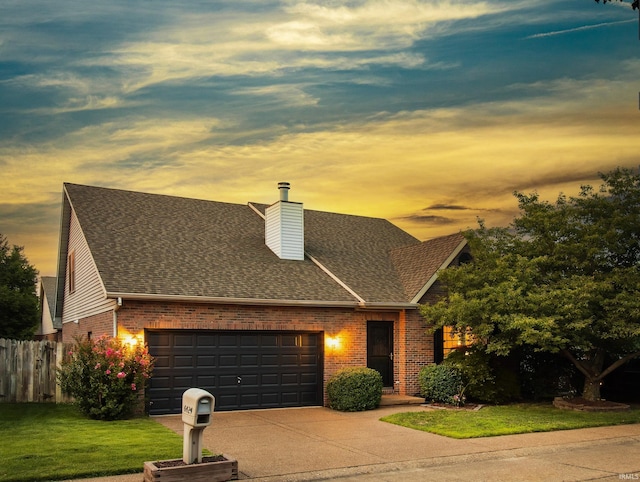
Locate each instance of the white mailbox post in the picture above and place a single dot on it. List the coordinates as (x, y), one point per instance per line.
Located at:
(197, 410)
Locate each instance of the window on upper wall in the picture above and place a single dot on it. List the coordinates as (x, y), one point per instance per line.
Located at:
(71, 271)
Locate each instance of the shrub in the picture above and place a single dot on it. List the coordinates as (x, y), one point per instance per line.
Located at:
(354, 389)
(105, 376)
(489, 378)
(441, 383)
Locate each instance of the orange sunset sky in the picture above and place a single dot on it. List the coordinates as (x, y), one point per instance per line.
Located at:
(427, 113)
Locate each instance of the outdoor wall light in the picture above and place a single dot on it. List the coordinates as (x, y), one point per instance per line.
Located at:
(131, 340)
(332, 342)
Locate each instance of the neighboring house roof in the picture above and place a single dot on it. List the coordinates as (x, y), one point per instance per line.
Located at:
(166, 246)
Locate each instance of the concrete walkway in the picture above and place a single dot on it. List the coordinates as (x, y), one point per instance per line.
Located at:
(321, 444)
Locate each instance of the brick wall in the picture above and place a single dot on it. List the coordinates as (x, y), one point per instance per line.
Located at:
(412, 347)
(94, 326)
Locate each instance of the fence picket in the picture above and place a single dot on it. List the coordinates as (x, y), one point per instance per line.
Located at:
(28, 371)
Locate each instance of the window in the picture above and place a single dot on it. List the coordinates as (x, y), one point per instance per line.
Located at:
(453, 340)
(71, 271)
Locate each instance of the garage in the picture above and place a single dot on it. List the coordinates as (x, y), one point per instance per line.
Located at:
(242, 369)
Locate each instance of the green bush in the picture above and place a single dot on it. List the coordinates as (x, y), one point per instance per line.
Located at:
(354, 389)
(105, 376)
(489, 378)
(441, 383)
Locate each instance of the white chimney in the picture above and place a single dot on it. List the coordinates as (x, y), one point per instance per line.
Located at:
(284, 226)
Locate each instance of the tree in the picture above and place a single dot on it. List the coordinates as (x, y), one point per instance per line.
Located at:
(19, 306)
(563, 278)
(634, 3)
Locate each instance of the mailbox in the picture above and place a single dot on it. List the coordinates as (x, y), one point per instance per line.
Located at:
(197, 407)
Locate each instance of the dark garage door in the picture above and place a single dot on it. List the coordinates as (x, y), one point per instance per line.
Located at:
(242, 370)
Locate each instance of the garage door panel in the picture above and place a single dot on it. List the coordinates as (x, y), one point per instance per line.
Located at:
(309, 339)
(308, 360)
(249, 360)
(206, 361)
(290, 340)
(276, 369)
(183, 361)
(206, 341)
(249, 380)
(161, 382)
(308, 378)
(290, 379)
(226, 381)
(269, 379)
(161, 361)
(183, 341)
(205, 381)
(228, 361)
(228, 340)
(249, 341)
(269, 360)
(269, 341)
(182, 383)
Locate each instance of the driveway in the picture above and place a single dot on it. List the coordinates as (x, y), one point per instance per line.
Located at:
(322, 444)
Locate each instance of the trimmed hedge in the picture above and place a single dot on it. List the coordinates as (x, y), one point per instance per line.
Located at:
(440, 383)
(354, 389)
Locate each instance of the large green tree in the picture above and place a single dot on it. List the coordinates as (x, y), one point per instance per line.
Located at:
(564, 278)
(19, 307)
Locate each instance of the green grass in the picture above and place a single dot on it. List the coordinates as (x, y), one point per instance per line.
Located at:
(56, 442)
(507, 419)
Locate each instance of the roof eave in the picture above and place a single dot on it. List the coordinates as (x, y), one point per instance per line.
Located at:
(230, 300)
(262, 301)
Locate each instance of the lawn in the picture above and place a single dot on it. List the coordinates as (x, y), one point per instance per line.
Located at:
(56, 442)
(507, 419)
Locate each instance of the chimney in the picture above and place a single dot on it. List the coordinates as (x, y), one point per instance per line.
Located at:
(284, 190)
(284, 226)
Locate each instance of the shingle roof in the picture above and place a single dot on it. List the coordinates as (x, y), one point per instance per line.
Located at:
(418, 263)
(164, 245)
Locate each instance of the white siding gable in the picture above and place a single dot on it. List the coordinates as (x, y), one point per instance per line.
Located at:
(89, 297)
(284, 230)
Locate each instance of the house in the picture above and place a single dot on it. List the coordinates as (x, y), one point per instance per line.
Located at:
(50, 326)
(258, 304)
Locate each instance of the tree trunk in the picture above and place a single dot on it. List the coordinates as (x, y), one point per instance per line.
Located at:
(591, 390)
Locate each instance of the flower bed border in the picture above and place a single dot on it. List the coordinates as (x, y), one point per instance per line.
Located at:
(218, 471)
(580, 405)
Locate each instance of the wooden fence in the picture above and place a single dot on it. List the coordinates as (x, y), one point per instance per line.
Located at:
(28, 371)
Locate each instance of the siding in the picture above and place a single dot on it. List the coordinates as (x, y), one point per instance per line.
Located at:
(284, 227)
(89, 297)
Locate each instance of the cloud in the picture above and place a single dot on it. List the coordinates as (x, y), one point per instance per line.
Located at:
(428, 220)
(447, 207)
(302, 35)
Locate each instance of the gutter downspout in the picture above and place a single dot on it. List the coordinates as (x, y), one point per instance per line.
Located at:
(115, 317)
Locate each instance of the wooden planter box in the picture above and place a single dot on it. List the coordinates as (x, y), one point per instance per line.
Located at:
(177, 471)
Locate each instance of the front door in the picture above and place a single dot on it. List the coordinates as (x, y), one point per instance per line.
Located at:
(380, 349)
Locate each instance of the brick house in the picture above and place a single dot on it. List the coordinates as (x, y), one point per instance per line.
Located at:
(258, 304)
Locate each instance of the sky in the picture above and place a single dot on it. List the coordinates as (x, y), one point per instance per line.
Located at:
(427, 113)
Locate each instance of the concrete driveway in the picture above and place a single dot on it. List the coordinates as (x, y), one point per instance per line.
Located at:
(322, 444)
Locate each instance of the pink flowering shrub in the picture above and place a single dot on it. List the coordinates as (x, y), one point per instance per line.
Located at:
(104, 376)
